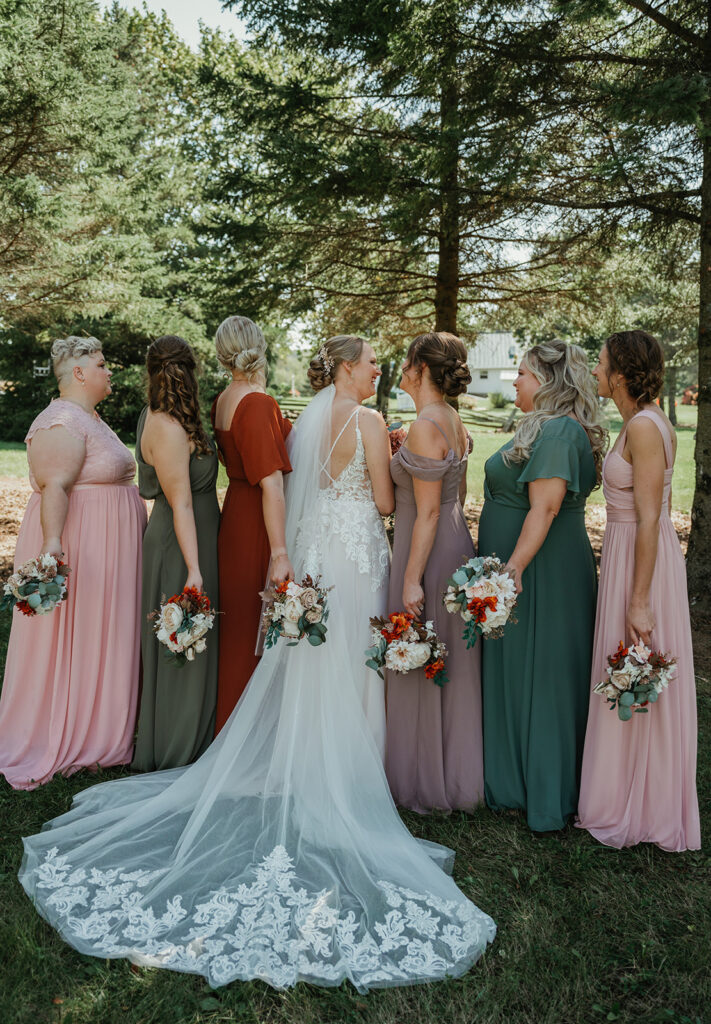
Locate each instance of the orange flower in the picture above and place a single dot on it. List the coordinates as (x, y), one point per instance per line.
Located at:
(434, 668)
(24, 607)
(478, 606)
(281, 588)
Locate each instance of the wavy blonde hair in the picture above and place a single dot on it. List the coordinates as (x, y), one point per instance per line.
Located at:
(241, 346)
(566, 390)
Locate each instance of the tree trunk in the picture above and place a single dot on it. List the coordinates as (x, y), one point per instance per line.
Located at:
(447, 282)
(385, 381)
(699, 552)
(671, 394)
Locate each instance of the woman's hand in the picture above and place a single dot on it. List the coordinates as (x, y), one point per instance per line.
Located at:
(280, 569)
(52, 546)
(516, 575)
(413, 599)
(194, 580)
(640, 622)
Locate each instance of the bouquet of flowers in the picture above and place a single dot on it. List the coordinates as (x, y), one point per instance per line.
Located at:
(402, 643)
(397, 435)
(182, 624)
(635, 677)
(484, 595)
(37, 587)
(295, 610)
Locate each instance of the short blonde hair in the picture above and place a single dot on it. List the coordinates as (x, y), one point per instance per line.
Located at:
(241, 346)
(69, 352)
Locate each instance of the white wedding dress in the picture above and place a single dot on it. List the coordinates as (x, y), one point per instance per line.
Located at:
(278, 855)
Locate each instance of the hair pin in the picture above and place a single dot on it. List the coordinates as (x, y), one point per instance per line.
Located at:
(326, 360)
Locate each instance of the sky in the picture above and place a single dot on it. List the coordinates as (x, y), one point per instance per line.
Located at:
(185, 15)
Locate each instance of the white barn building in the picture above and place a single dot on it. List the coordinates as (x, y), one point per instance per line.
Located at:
(493, 362)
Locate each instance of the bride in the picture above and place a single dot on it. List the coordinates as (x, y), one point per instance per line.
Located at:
(278, 855)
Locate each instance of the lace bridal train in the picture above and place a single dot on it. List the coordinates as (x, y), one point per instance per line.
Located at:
(279, 854)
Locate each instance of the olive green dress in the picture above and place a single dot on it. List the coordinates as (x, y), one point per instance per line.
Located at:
(176, 722)
(536, 678)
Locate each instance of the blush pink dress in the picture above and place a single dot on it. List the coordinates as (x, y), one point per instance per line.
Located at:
(639, 777)
(71, 677)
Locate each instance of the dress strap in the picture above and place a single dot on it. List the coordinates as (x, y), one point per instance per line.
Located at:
(449, 445)
(327, 460)
(668, 444)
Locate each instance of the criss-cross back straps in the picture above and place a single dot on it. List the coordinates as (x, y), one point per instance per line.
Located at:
(327, 460)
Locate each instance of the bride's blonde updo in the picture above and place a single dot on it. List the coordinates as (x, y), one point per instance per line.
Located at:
(344, 348)
(241, 346)
(566, 389)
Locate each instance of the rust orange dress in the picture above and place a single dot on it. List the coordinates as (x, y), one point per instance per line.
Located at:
(252, 448)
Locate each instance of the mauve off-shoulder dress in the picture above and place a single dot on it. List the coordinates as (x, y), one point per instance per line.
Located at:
(433, 753)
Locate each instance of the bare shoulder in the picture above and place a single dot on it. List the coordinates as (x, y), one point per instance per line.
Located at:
(371, 422)
(165, 429)
(424, 438)
(644, 436)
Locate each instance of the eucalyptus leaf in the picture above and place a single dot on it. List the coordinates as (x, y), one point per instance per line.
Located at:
(626, 699)
(624, 713)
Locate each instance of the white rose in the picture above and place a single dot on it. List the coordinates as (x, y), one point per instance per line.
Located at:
(314, 613)
(308, 597)
(293, 589)
(289, 628)
(611, 691)
(621, 679)
(640, 653)
(199, 627)
(171, 617)
(403, 657)
(200, 646)
(293, 609)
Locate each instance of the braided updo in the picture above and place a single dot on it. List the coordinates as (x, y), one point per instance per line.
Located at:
(343, 348)
(241, 346)
(445, 355)
(638, 356)
(173, 389)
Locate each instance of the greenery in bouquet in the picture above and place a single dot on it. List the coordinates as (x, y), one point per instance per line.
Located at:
(484, 594)
(294, 611)
(37, 587)
(182, 624)
(635, 677)
(402, 643)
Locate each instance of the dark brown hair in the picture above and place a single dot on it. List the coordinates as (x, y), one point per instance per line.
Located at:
(173, 389)
(445, 355)
(639, 358)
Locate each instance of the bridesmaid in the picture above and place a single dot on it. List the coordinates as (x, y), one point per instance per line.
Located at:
(639, 777)
(536, 677)
(251, 434)
(434, 745)
(177, 467)
(71, 677)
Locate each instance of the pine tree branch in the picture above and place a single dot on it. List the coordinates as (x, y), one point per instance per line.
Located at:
(645, 201)
(672, 26)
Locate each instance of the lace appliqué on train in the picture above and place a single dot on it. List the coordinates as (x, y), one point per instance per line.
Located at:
(348, 511)
(271, 928)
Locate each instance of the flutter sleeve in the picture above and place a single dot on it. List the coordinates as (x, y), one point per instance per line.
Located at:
(60, 414)
(422, 467)
(261, 442)
(555, 453)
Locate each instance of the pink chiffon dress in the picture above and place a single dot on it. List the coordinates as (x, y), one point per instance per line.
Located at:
(639, 777)
(71, 678)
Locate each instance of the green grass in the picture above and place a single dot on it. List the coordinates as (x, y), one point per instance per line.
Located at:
(585, 935)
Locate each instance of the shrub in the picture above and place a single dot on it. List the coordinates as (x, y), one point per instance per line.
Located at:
(497, 400)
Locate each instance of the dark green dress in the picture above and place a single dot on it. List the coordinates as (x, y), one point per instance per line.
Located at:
(536, 678)
(176, 722)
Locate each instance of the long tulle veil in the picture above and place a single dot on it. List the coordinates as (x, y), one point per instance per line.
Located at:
(279, 854)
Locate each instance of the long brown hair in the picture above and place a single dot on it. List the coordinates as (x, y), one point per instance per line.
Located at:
(173, 389)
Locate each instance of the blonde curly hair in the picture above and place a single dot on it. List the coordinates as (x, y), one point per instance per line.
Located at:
(566, 390)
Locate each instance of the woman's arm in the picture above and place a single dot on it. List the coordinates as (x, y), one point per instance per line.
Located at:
(274, 512)
(646, 449)
(56, 457)
(545, 498)
(377, 455)
(422, 439)
(167, 445)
